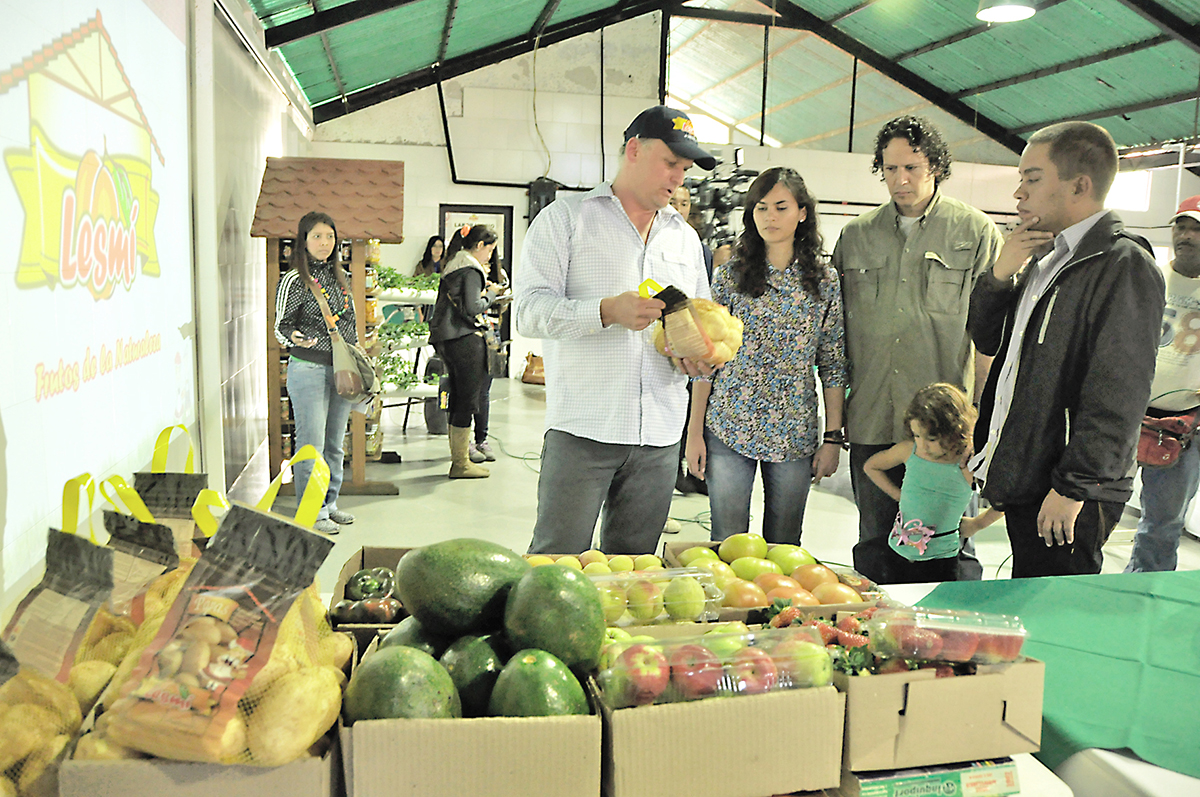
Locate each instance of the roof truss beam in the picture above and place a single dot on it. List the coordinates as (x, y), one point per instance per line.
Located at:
(800, 17)
(1120, 110)
(1065, 66)
(739, 17)
(1174, 26)
(544, 18)
(324, 21)
(494, 54)
(451, 10)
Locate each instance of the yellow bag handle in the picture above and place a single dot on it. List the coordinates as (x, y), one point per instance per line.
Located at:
(314, 491)
(134, 505)
(202, 510)
(161, 446)
(70, 514)
(648, 288)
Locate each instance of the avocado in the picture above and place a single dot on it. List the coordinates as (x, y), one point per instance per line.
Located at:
(458, 587)
(535, 683)
(400, 682)
(557, 609)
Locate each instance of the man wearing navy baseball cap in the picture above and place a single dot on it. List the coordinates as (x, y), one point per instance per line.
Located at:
(614, 406)
(1168, 491)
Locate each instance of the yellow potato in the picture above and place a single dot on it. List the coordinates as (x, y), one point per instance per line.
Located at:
(37, 761)
(296, 711)
(94, 747)
(722, 329)
(24, 729)
(88, 679)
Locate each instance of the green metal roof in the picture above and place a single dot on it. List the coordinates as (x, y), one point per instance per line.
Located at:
(1132, 66)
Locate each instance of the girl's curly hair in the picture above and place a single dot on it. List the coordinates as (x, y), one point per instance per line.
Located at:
(946, 413)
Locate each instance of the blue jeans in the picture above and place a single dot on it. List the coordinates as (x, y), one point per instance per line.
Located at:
(320, 415)
(1166, 493)
(730, 478)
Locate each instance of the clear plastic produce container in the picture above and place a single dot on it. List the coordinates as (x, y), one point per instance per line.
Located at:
(683, 594)
(643, 670)
(946, 635)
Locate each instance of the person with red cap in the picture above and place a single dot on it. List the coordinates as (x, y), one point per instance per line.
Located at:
(614, 406)
(1167, 491)
(1072, 312)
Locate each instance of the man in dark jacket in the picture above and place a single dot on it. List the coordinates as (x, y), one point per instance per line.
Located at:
(1072, 311)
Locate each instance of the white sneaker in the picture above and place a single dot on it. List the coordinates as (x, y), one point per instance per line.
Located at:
(341, 518)
(477, 455)
(326, 526)
(485, 448)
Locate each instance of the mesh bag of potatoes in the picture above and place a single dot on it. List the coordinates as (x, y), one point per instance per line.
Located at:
(243, 668)
(38, 718)
(699, 329)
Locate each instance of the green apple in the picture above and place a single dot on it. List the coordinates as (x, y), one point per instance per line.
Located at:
(691, 555)
(722, 644)
(615, 633)
(569, 561)
(587, 557)
(646, 560)
(612, 601)
(789, 557)
(721, 572)
(621, 563)
(751, 567)
(653, 569)
(731, 627)
(744, 544)
(596, 567)
(684, 598)
(643, 639)
(644, 599)
(803, 663)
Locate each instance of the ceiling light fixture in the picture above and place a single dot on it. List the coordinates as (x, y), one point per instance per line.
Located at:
(1005, 10)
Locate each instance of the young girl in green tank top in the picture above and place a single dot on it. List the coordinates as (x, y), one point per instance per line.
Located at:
(936, 488)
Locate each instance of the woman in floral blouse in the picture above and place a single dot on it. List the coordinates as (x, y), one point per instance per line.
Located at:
(761, 408)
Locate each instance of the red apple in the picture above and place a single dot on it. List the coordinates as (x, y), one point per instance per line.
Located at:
(646, 673)
(695, 671)
(752, 671)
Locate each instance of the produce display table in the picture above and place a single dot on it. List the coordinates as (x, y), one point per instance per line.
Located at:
(1121, 666)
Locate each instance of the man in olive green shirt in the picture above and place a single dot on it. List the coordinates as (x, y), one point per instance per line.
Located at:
(907, 269)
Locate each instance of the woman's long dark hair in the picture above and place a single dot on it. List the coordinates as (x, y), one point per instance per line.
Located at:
(300, 249)
(750, 268)
(476, 234)
(427, 261)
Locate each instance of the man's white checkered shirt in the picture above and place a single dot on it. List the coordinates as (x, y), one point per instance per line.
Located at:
(608, 385)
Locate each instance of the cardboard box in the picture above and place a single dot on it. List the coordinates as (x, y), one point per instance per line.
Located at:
(974, 779)
(914, 719)
(308, 777)
(746, 746)
(672, 549)
(497, 756)
(366, 557)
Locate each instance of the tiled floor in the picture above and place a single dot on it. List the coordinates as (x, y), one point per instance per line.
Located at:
(431, 507)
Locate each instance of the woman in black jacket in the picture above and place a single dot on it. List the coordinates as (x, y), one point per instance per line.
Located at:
(456, 332)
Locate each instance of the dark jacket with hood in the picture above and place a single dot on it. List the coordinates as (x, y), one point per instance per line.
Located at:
(1087, 361)
(460, 299)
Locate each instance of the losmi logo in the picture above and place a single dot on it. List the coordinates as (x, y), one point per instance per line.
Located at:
(98, 243)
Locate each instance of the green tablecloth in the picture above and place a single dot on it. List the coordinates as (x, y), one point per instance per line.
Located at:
(1122, 657)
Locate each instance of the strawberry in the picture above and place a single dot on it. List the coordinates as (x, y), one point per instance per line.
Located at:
(918, 643)
(868, 613)
(995, 648)
(959, 645)
(849, 639)
(850, 624)
(941, 670)
(785, 617)
(828, 633)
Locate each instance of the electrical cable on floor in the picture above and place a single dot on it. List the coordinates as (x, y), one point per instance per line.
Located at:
(525, 459)
(1001, 565)
(703, 520)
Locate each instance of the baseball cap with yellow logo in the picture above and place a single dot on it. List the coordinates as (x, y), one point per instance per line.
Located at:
(673, 128)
